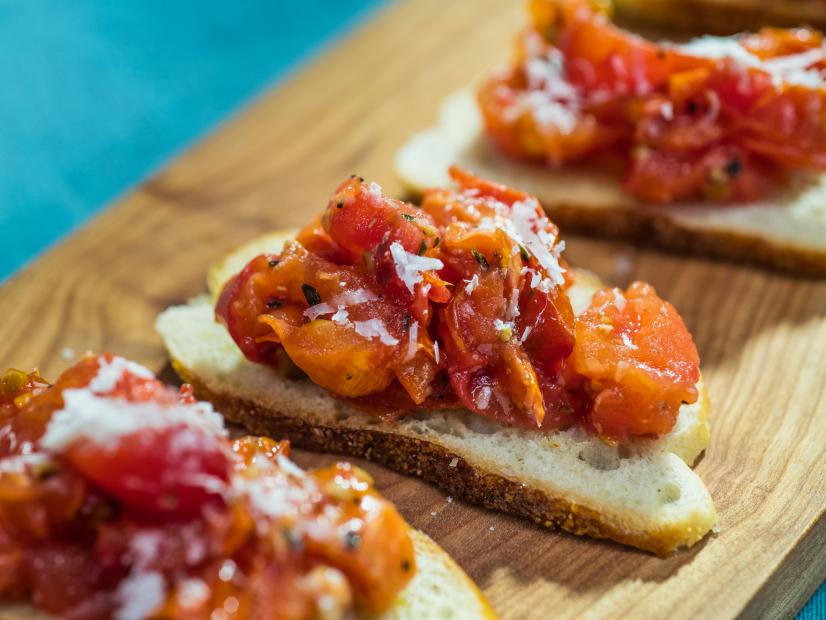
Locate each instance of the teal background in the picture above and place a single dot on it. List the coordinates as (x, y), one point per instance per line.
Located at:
(98, 93)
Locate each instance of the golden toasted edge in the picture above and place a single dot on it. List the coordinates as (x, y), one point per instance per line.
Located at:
(430, 462)
(426, 546)
(717, 16)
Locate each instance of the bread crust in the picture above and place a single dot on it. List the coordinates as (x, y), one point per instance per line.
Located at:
(718, 16)
(430, 462)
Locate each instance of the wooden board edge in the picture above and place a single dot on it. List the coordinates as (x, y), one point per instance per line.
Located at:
(791, 586)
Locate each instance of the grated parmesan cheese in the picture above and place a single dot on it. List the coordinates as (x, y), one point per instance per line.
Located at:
(140, 594)
(626, 340)
(409, 266)
(374, 328)
(86, 415)
(375, 190)
(481, 397)
(791, 69)
(505, 329)
(550, 98)
(354, 298)
(313, 312)
(436, 351)
(111, 373)
(341, 316)
(513, 305)
(472, 283)
(413, 344)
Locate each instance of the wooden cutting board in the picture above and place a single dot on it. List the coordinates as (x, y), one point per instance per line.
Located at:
(762, 336)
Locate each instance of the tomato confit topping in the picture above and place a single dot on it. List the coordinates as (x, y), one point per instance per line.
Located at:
(462, 302)
(722, 119)
(120, 497)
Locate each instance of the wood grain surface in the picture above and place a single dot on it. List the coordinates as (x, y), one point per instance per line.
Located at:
(762, 336)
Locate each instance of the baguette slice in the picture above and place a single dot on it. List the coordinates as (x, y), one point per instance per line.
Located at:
(440, 589)
(786, 232)
(642, 493)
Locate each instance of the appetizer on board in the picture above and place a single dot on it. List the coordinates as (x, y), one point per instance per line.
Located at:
(122, 497)
(717, 145)
(453, 340)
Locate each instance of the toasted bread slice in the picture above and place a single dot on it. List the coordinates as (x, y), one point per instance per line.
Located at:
(440, 589)
(720, 16)
(787, 232)
(642, 492)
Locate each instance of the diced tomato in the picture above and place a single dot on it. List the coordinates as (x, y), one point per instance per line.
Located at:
(463, 300)
(66, 579)
(581, 88)
(178, 518)
(640, 359)
(172, 472)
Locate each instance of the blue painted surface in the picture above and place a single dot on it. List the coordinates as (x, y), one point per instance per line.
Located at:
(97, 94)
(815, 609)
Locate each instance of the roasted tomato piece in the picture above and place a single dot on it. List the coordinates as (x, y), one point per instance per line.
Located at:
(66, 579)
(172, 472)
(640, 360)
(371, 544)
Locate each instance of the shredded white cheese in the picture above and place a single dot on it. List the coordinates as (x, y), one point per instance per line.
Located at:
(525, 334)
(481, 397)
(86, 415)
(409, 266)
(626, 340)
(792, 69)
(374, 328)
(111, 373)
(192, 593)
(354, 298)
(375, 190)
(550, 98)
(413, 343)
(341, 316)
(513, 306)
(19, 463)
(504, 329)
(472, 283)
(436, 351)
(313, 312)
(536, 239)
(140, 594)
